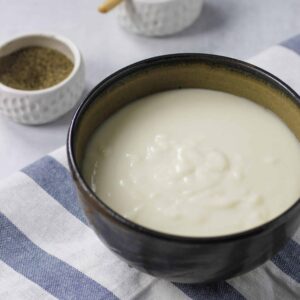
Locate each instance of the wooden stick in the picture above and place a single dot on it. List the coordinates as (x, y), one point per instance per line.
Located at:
(108, 5)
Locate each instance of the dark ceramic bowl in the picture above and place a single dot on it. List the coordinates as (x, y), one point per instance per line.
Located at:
(179, 258)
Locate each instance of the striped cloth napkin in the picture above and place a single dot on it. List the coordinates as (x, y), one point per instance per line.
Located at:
(48, 251)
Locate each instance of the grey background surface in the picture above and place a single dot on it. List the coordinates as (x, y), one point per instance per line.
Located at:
(236, 28)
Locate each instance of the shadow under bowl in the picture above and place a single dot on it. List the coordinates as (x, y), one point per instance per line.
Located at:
(179, 258)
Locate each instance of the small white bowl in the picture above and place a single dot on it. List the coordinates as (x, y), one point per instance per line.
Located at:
(158, 17)
(45, 105)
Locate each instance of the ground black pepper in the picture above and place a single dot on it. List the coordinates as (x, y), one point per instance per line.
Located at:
(34, 68)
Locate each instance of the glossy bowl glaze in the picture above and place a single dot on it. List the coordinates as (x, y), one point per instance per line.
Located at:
(178, 258)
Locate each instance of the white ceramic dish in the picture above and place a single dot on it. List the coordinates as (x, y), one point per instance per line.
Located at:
(45, 105)
(158, 17)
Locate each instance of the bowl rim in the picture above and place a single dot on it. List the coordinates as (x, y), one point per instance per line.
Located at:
(161, 2)
(131, 69)
(50, 36)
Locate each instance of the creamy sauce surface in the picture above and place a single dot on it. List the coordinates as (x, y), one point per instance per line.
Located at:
(195, 162)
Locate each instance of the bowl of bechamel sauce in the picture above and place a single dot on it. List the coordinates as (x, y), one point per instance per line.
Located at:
(187, 165)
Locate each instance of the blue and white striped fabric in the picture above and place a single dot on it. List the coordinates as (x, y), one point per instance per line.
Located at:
(48, 251)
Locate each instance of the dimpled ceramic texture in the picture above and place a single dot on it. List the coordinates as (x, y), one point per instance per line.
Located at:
(160, 17)
(46, 105)
(182, 258)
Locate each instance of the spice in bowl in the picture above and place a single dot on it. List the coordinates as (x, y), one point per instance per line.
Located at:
(34, 68)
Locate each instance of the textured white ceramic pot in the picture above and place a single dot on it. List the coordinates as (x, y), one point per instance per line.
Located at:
(158, 17)
(45, 105)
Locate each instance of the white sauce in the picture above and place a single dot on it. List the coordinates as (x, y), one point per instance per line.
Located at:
(195, 162)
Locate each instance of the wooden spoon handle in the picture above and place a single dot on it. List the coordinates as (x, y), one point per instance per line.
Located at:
(108, 5)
